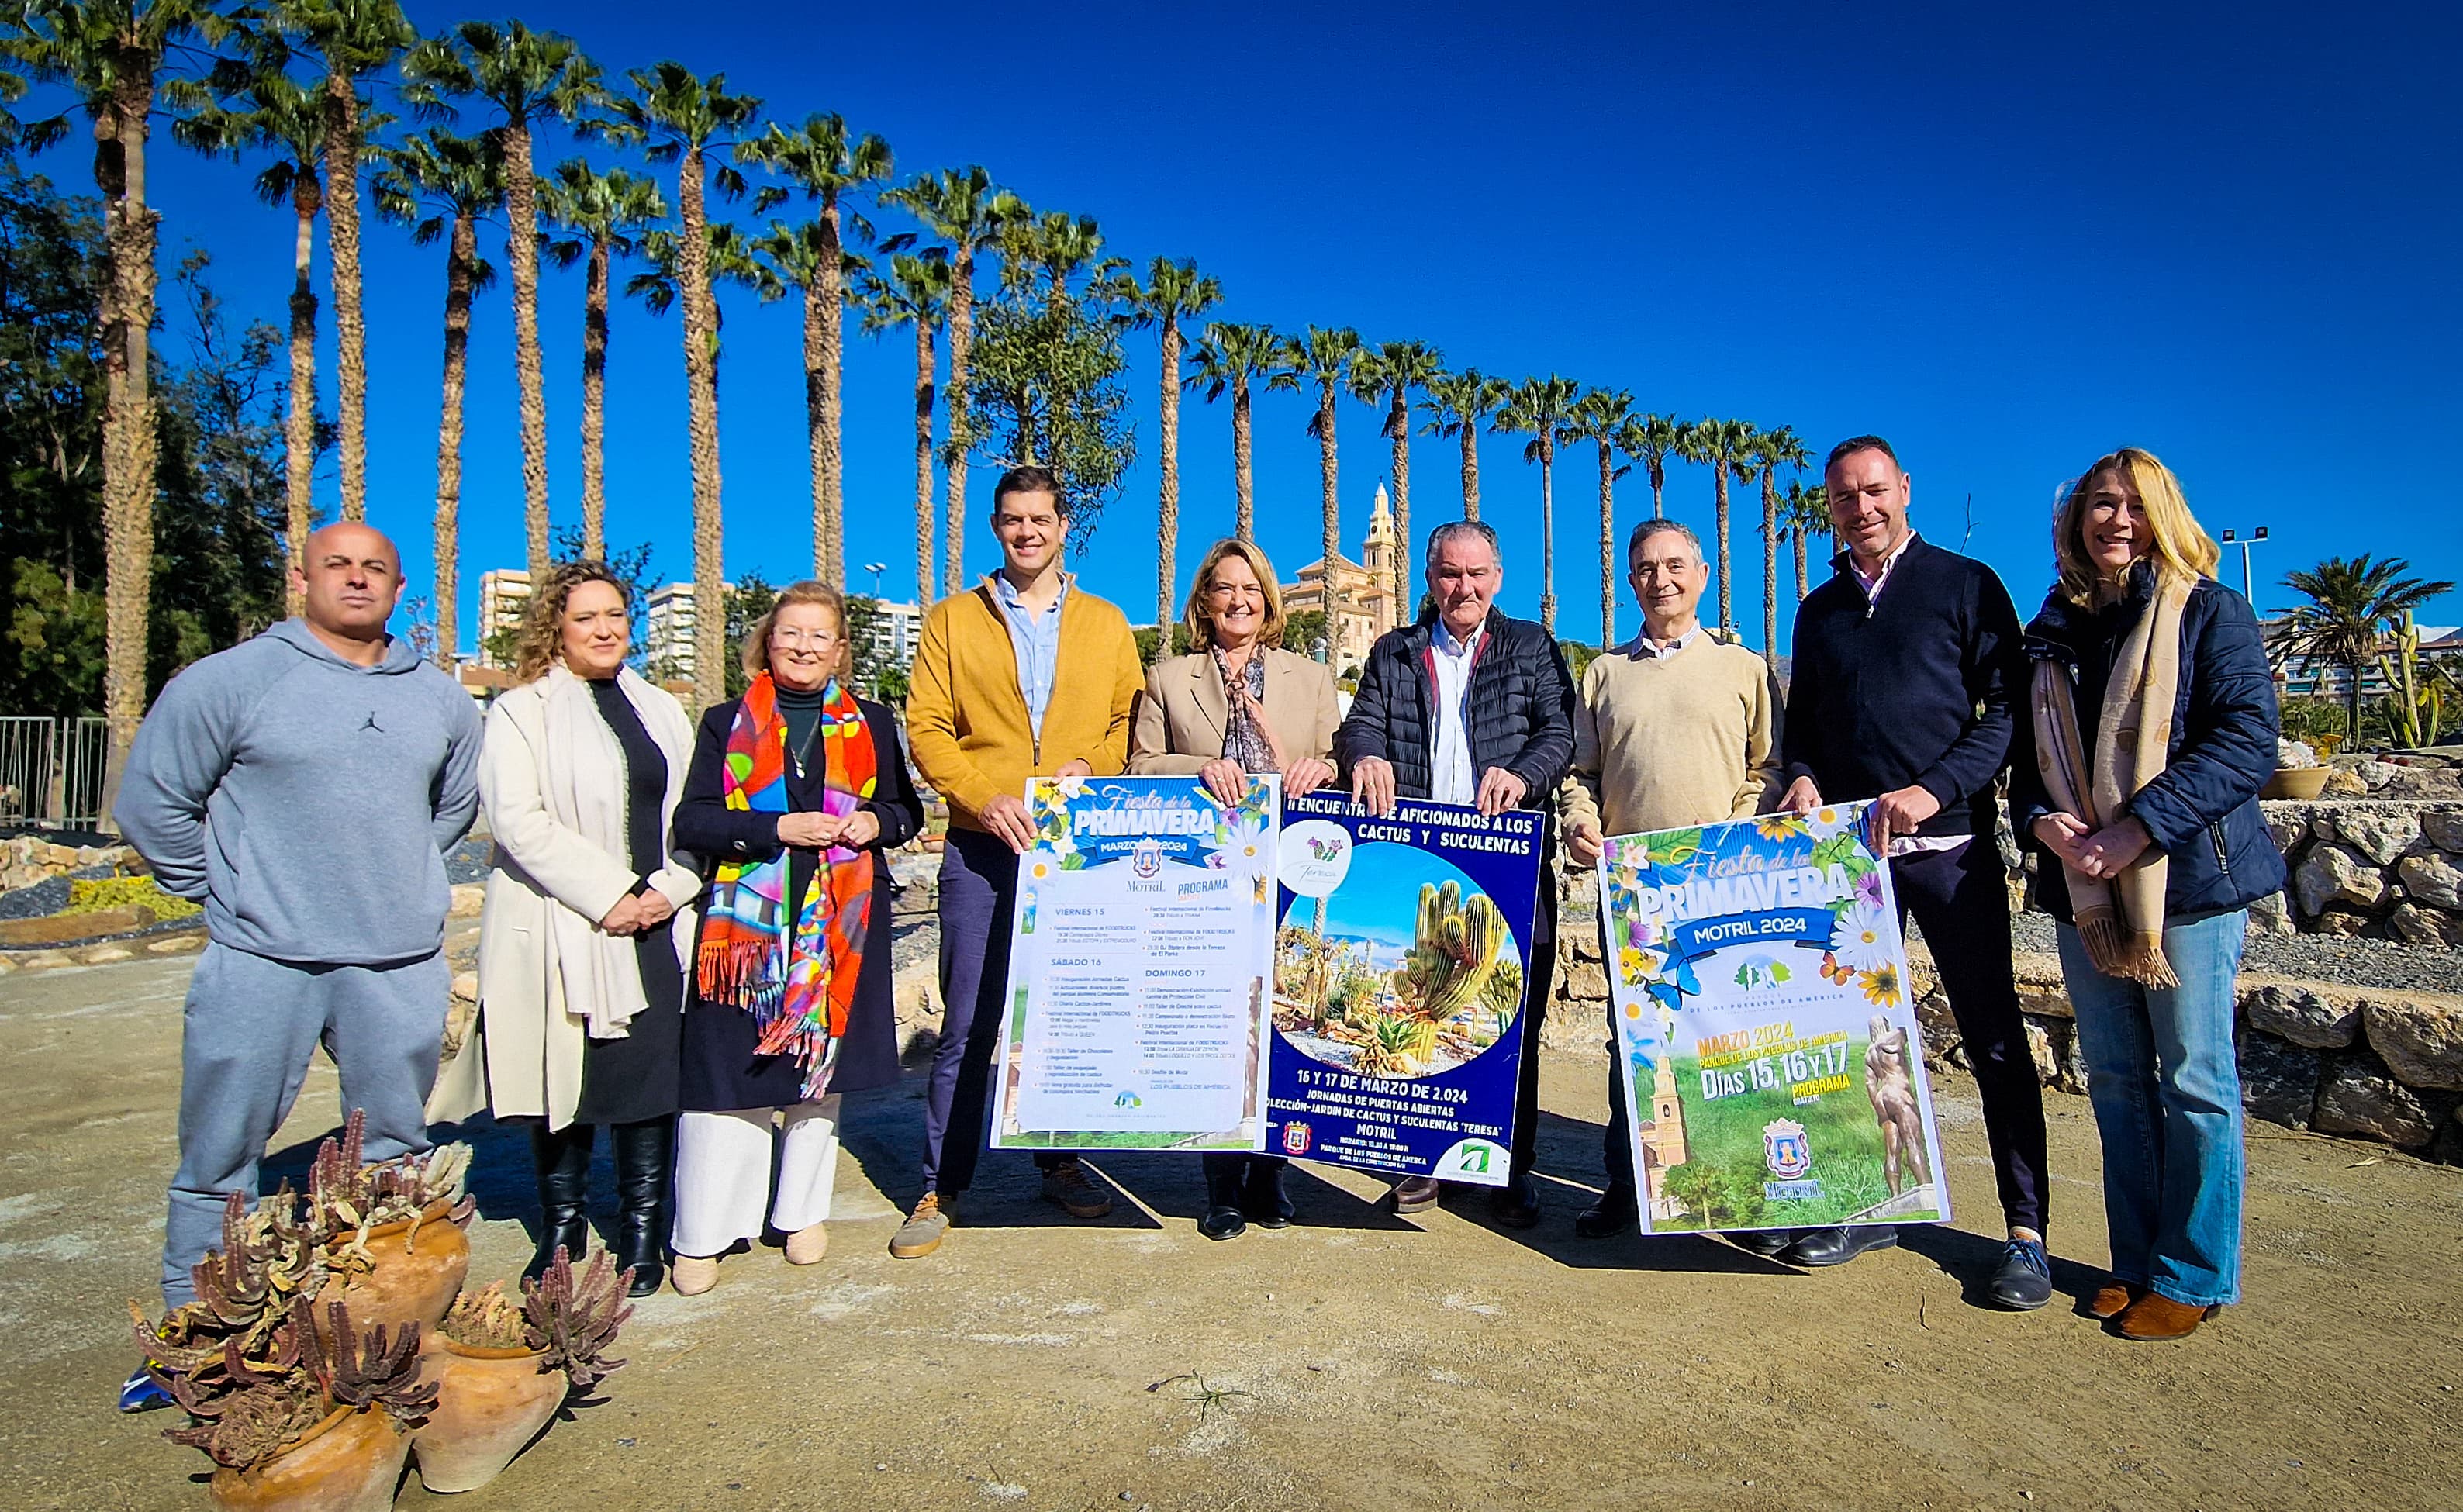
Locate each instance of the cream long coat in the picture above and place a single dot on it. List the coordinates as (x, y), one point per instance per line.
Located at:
(1182, 714)
(531, 1043)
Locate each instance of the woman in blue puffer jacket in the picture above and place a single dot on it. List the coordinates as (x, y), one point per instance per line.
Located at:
(2154, 725)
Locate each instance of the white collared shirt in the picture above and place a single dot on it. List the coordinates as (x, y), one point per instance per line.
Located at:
(1642, 645)
(1451, 779)
(1872, 585)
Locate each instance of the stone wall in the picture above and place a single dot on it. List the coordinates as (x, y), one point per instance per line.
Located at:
(27, 859)
(2388, 869)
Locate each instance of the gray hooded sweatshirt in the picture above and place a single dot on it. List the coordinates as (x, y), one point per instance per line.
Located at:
(305, 801)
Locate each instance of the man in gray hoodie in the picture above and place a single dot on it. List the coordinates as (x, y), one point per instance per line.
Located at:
(304, 786)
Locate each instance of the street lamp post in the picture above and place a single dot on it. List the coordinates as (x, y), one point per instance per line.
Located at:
(876, 569)
(2234, 538)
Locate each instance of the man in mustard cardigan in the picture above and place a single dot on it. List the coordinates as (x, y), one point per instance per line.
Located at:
(1025, 674)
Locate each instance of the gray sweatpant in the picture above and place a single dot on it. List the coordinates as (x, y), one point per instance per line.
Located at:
(250, 1027)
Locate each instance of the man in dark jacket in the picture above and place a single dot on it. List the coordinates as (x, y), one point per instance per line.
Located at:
(1469, 707)
(1907, 662)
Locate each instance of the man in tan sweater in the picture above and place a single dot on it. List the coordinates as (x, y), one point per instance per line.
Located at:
(1674, 728)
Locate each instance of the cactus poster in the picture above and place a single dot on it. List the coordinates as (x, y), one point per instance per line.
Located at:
(1141, 955)
(1775, 1072)
(1399, 966)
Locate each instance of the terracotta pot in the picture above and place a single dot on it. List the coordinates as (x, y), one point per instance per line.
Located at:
(407, 1288)
(350, 1461)
(2296, 782)
(488, 1404)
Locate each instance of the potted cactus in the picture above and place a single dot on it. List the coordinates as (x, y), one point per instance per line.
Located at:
(392, 1231)
(502, 1369)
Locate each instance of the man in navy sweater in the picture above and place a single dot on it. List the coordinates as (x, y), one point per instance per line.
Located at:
(1907, 663)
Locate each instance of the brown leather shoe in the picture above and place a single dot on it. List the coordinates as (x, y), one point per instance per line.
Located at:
(2157, 1316)
(1414, 1192)
(2112, 1297)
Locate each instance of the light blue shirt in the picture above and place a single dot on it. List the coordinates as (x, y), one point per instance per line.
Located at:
(1036, 640)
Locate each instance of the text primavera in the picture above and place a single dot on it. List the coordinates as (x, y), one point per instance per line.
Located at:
(1746, 893)
(1142, 821)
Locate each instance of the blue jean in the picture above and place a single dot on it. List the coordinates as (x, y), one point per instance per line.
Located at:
(2165, 1084)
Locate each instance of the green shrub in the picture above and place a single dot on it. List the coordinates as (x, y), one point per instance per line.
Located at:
(126, 892)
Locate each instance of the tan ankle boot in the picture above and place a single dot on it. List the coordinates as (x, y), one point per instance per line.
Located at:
(692, 1277)
(2112, 1297)
(2157, 1316)
(807, 1245)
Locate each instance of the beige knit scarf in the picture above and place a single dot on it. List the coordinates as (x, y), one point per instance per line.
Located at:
(2120, 919)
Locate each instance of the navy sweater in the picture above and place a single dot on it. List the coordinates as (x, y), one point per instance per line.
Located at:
(1914, 690)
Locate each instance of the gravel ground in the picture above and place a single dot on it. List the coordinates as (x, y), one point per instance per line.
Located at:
(2314, 957)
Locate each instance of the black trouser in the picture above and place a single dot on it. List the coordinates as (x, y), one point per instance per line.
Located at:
(978, 897)
(1538, 982)
(1961, 900)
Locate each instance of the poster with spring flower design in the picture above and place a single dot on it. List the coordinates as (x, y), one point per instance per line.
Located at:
(1773, 1070)
(1140, 954)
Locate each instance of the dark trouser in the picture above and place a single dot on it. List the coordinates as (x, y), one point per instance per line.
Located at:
(1234, 1165)
(1961, 900)
(978, 896)
(1616, 1146)
(1538, 982)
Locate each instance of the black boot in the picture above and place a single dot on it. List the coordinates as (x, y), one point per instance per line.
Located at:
(563, 1159)
(1261, 1192)
(1615, 1212)
(1222, 1217)
(646, 1169)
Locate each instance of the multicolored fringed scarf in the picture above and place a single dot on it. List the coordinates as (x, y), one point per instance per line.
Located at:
(798, 984)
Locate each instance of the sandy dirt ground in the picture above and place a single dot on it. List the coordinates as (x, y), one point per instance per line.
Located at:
(1355, 1360)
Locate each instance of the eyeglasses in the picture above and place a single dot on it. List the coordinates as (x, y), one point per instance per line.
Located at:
(797, 639)
(1235, 591)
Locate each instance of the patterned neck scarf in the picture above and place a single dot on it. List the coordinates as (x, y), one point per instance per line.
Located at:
(797, 982)
(1243, 742)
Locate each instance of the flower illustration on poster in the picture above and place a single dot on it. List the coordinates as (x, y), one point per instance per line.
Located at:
(1881, 986)
(1243, 850)
(1862, 940)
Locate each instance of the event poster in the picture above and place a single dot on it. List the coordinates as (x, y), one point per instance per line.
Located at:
(1775, 1072)
(1398, 968)
(1142, 950)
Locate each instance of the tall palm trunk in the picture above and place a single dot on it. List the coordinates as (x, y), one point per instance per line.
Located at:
(1769, 569)
(460, 262)
(1658, 494)
(701, 386)
(924, 516)
(1607, 548)
(299, 424)
(1331, 505)
(522, 217)
(1547, 535)
(1719, 481)
(129, 446)
(1398, 424)
(824, 306)
(594, 404)
(1244, 520)
(1802, 587)
(1166, 557)
(962, 346)
(350, 326)
(1471, 468)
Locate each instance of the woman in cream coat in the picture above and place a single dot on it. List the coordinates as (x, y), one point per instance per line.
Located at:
(1239, 704)
(588, 921)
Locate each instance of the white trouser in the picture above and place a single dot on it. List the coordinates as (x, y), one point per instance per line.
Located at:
(723, 1174)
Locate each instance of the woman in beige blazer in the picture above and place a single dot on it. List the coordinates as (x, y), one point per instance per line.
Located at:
(589, 918)
(1238, 704)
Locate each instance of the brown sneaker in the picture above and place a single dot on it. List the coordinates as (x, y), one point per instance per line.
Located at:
(1066, 1185)
(1413, 1193)
(2157, 1316)
(924, 1228)
(2112, 1297)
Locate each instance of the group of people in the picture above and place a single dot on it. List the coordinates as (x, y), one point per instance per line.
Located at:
(686, 934)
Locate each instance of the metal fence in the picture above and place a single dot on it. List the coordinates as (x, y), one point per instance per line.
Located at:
(50, 770)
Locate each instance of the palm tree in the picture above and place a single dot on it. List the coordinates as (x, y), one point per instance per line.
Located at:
(1056, 248)
(530, 77)
(282, 115)
(1650, 439)
(112, 55)
(1541, 409)
(1237, 358)
(1323, 358)
(1463, 400)
(1805, 508)
(964, 208)
(826, 162)
(1726, 446)
(1600, 416)
(606, 211)
(443, 185)
(1174, 290)
(350, 38)
(1774, 449)
(1391, 372)
(2353, 605)
(684, 119)
(915, 294)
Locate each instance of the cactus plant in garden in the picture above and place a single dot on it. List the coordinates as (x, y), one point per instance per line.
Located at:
(1453, 950)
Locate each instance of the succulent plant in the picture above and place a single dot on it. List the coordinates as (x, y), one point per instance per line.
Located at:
(486, 1320)
(268, 1257)
(363, 1369)
(244, 1403)
(348, 1197)
(575, 1321)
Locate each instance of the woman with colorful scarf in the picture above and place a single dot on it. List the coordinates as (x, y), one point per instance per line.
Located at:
(2154, 725)
(1237, 704)
(799, 791)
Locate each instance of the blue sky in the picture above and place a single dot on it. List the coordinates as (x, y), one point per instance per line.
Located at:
(2009, 239)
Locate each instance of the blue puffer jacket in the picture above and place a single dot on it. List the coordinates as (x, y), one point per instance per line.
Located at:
(2202, 808)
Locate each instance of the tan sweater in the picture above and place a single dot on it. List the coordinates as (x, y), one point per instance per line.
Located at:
(1663, 744)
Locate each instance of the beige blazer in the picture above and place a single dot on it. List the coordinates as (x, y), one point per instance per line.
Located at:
(1181, 717)
(523, 1056)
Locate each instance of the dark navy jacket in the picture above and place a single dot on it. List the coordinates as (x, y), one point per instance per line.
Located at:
(1520, 714)
(2202, 808)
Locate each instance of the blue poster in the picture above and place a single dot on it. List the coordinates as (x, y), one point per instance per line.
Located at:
(1398, 967)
